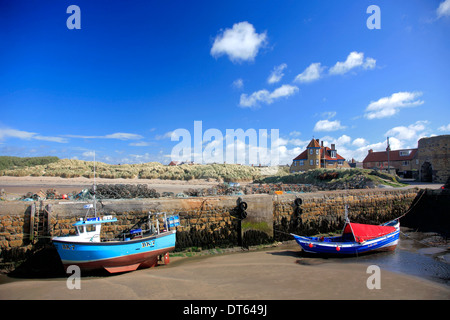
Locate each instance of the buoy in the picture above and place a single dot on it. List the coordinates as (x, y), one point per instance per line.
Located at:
(166, 258)
(310, 245)
(337, 248)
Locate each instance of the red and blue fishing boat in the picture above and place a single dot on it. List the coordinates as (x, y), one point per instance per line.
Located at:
(356, 239)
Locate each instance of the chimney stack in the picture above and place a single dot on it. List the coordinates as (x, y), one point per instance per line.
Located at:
(333, 146)
(370, 151)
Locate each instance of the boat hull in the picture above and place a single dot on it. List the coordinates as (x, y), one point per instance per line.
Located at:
(115, 256)
(315, 246)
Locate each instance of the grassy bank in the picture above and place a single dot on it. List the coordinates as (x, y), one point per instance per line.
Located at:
(152, 170)
(326, 178)
(354, 178)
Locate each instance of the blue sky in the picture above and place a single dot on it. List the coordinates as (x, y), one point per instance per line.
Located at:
(138, 70)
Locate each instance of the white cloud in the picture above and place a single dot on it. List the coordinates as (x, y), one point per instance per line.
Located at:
(295, 133)
(412, 132)
(238, 83)
(445, 128)
(328, 114)
(327, 125)
(389, 106)
(370, 63)
(311, 73)
(117, 135)
(240, 43)
(354, 60)
(123, 136)
(13, 133)
(88, 154)
(443, 9)
(277, 73)
(139, 144)
(19, 134)
(167, 135)
(344, 139)
(264, 96)
(359, 142)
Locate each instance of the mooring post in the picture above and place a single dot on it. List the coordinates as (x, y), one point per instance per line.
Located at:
(32, 213)
(49, 218)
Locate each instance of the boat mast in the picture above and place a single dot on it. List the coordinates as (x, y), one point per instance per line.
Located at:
(95, 202)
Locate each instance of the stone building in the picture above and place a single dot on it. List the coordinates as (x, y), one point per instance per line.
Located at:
(404, 161)
(317, 156)
(434, 159)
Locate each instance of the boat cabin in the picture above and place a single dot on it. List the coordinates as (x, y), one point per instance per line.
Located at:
(89, 230)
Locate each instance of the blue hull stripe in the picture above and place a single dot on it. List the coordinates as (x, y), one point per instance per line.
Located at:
(314, 246)
(78, 252)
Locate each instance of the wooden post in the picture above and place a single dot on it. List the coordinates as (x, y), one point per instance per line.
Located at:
(49, 219)
(32, 213)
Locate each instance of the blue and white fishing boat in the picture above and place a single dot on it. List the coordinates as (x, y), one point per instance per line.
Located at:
(137, 248)
(356, 239)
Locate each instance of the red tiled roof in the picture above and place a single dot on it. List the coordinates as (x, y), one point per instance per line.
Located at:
(313, 144)
(302, 156)
(328, 154)
(394, 155)
(325, 152)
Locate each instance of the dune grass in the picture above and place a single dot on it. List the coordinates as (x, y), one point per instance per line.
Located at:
(67, 168)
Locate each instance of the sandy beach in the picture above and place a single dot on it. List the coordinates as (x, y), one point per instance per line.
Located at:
(277, 273)
(17, 186)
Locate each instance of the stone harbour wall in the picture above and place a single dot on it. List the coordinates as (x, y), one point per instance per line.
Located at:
(434, 155)
(324, 212)
(207, 222)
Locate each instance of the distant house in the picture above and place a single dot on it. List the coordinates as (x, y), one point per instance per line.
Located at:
(317, 156)
(404, 161)
(178, 163)
(355, 164)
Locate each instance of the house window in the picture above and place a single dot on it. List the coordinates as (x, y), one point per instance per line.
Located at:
(340, 162)
(317, 151)
(310, 151)
(333, 153)
(405, 153)
(301, 162)
(405, 163)
(317, 162)
(311, 162)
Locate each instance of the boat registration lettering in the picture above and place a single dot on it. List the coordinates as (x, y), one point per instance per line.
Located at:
(68, 246)
(148, 244)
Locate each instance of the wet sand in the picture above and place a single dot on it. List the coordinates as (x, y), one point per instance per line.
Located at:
(278, 273)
